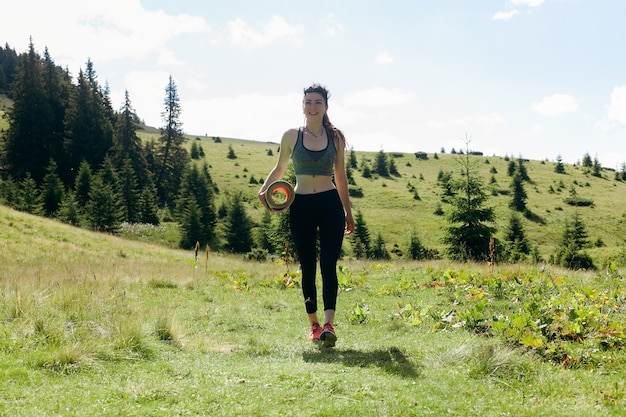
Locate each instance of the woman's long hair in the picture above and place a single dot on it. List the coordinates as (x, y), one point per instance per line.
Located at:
(323, 91)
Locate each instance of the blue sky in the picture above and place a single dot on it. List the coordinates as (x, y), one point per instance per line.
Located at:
(536, 78)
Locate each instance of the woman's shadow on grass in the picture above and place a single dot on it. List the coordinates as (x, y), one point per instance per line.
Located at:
(391, 360)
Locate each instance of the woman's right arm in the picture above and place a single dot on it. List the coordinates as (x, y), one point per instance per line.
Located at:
(284, 155)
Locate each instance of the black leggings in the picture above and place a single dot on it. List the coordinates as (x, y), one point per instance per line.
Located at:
(308, 214)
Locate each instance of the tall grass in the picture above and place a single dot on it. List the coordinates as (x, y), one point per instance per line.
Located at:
(91, 324)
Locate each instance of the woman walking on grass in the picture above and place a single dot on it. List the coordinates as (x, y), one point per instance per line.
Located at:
(321, 205)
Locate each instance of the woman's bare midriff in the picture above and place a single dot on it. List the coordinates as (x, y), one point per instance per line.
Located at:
(311, 184)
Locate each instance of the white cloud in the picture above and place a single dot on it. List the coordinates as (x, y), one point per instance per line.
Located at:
(523, 4)
(487, 121)
(277, 29)
(617, 107)
(167, 59)
(556, 105)
(102, 31)
(505, 15)
(529, 3)
(147, 91)
(536, 129)
(384, 58)
(332, 27)
(251, 116)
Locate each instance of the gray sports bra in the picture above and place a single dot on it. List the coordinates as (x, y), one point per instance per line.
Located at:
(307, 162)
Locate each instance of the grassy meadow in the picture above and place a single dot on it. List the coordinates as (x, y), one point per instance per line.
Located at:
(95, 325)
(100, 325)
(390, 208)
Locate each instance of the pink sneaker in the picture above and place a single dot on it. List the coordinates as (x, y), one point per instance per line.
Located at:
(328, 336)
(314, 334)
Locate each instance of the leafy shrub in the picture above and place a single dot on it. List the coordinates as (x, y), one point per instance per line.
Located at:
(257, 254)
(568, 257)
(578, 201)
(355, 191)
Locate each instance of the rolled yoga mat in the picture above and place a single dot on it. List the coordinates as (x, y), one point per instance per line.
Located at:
(279, 195)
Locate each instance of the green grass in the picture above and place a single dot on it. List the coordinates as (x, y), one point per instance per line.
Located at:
(5, 104)
(389, 207)
(93, 324)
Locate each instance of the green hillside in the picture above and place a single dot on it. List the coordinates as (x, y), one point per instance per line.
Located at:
(389, 207)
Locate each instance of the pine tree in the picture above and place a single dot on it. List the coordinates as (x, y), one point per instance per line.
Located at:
(468, 235)
(89, 127)
(129, 193)
(516, 238)
(148, 204)
(366, 172)
(559, 168)
(352, 161)
(575, 233)
(231, 153)
(279, 234)
(416, 249)
(569, 254)
(69, 212)
(110, 176)
(82, 184)
(238, 227)
(8, 66)
(30, 120)
(393, 170)
(379, 251)
(350, 176)
(262, 235)
(9, 192)
(518, 201)
(197, 188)
(361, 243)
(150, 152)
(444, 180)
(103, 211)
(29, 197)
(52, 190)
(194, 152)
(172, 158)
(597, 168)
(521, 168)
(380, 164)
(511, 168)
(127, 146)
(190, 224)
(58, 87)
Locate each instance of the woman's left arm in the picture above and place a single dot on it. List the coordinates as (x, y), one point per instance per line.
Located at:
(341, 181)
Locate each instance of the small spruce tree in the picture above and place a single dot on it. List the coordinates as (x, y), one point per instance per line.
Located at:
(518, 201)
(559, 168)
(238, 227)
(361, 242)
(468, 234)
